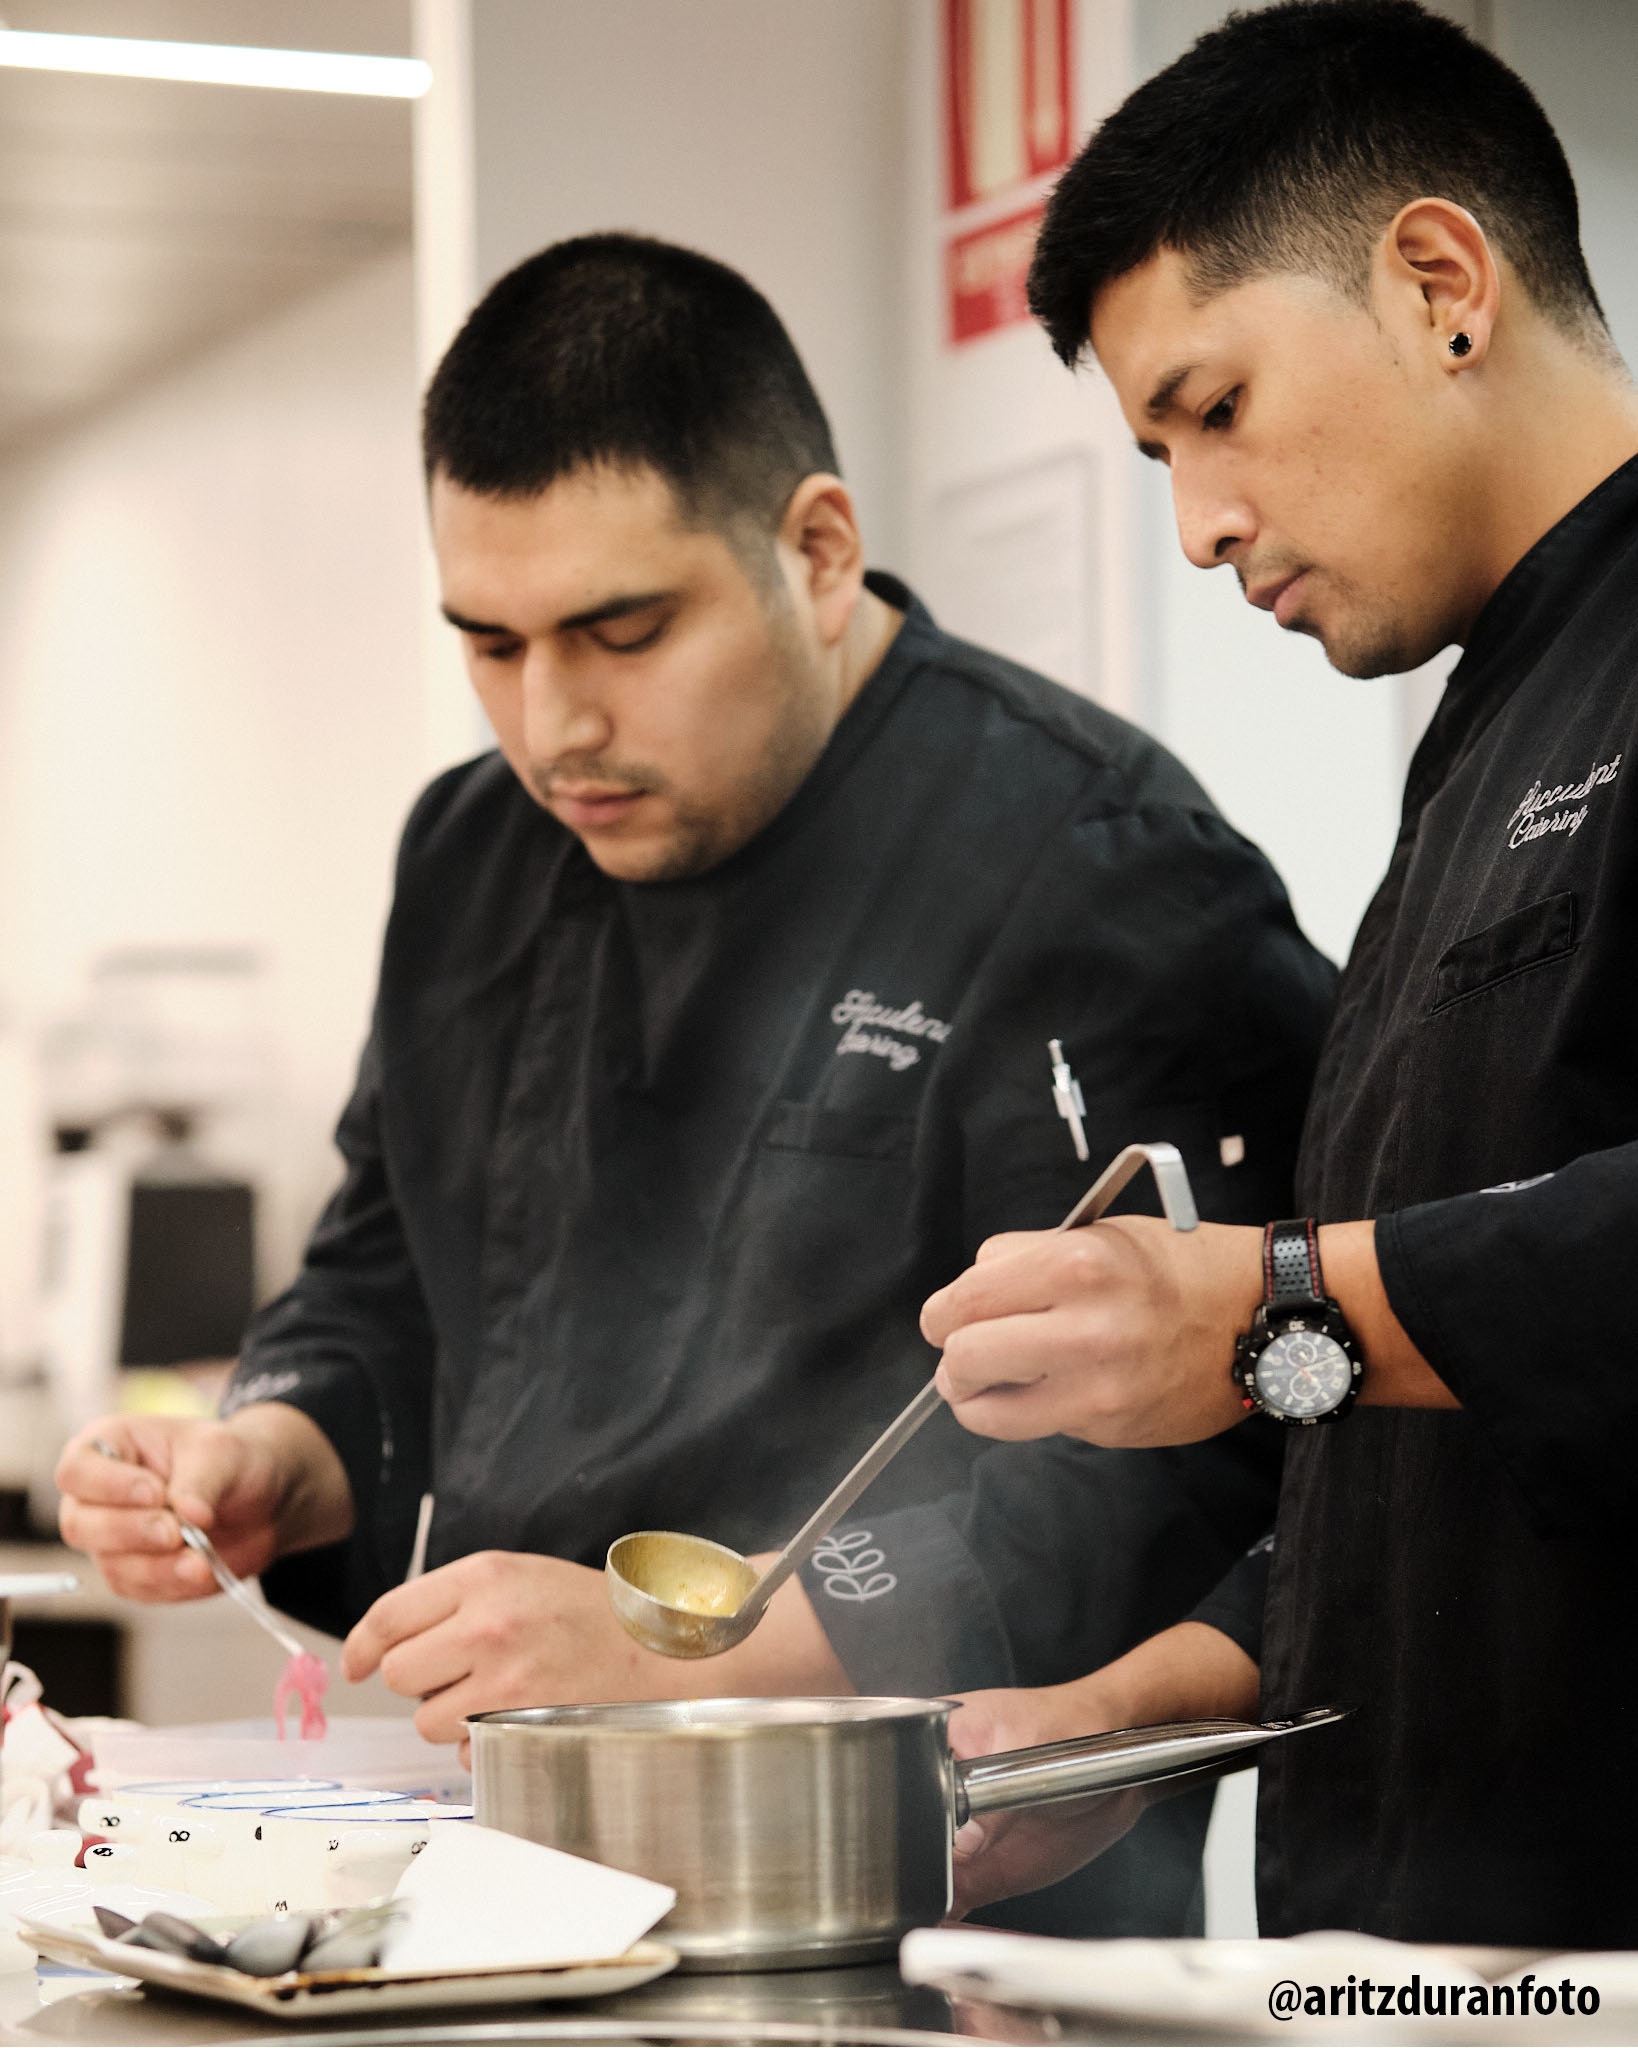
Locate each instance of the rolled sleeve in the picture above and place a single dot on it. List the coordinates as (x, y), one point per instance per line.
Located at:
(906, 1607)
(337, 1397)
(350, 1344)
(1521, 1300)
(329, 1587)
(1234, 1606)
(1058, 1557)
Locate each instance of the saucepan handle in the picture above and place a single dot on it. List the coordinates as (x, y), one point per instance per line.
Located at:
(1109, 1763)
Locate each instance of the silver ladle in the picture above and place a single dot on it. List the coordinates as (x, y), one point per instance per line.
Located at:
(686, 1596)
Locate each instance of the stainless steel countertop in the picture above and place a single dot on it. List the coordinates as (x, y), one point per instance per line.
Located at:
(869, 2004)
(844, 2008)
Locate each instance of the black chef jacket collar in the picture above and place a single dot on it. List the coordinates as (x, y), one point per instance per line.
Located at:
(1544, 588)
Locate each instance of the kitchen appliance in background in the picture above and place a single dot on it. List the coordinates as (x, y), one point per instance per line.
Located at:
(154, 1095)
(24, 1410)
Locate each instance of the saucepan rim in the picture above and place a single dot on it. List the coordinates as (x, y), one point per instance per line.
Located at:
(715, 1717)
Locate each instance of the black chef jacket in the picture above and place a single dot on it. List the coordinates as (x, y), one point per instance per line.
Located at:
(1468, 1578)
(646, 1183)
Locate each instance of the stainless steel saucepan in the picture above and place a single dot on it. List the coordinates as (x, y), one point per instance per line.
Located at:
(796, 1832)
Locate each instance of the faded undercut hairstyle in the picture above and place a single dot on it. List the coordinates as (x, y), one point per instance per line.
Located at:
(1288, 138)
(620, 351)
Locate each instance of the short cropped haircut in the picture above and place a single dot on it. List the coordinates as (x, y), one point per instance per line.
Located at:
(617, 350)
(1288, 138)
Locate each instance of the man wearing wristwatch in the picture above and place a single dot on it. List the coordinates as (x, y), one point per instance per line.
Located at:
(1298, 1362)
(1361, 335)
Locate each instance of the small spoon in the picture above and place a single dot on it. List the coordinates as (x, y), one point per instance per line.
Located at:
(228, 1579)
(686, 1596)
(304, 1674)
(236, 1589)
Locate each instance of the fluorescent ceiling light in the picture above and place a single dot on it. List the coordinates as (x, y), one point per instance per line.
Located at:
(396, 78)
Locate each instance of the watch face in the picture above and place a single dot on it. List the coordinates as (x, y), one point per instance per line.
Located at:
(1303, 1372)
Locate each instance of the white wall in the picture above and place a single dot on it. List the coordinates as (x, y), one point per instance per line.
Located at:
(1006, 450)
(764, 132)
(1581, 59)
(209, 685)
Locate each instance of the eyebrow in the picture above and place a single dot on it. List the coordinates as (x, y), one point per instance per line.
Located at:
(595, 615)
(1160, 399)
(1160, 402)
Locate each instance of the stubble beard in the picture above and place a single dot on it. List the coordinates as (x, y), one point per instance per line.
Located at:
(697, 841)
(1368, 639)
(700, 842)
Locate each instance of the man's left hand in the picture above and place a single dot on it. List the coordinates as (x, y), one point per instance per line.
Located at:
(500, 1628)
(1188, 1672)
(506, 1628)
(1121, 1333)
(998, 1855)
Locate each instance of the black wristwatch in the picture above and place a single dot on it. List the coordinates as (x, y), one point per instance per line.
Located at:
(1298, 1362)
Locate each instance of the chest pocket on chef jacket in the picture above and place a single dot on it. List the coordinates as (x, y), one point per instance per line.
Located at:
(1531, 936)
(828, 1209)
(844, 1133)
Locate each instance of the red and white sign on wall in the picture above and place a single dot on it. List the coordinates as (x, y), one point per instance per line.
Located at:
(1008, 122)
(1006, 72)
(986, 273)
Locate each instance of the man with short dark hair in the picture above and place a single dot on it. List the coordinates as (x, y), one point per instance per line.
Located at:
(712, 1032)
(1330, 261)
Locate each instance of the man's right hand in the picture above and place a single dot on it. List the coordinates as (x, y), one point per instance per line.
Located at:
(265, 1482)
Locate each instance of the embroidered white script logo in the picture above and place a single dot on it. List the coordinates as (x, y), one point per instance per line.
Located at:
(1557, 807)
(265, 1386)
(851, 1569)
(870, 1027)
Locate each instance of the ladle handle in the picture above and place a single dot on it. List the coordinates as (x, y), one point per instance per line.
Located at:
(1171, 1179)
(837, 1502)
(1176, 1198)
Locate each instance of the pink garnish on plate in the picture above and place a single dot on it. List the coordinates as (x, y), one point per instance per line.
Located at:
(305, 1678)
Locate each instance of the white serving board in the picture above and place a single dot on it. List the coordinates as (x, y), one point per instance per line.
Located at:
(302, 1995)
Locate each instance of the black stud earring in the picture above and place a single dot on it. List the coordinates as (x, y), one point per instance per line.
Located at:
(1460, 344)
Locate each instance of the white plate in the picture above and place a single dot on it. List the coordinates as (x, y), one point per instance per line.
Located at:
(303, 1996)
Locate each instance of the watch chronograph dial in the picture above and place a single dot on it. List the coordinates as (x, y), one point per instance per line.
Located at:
(1303, 1372)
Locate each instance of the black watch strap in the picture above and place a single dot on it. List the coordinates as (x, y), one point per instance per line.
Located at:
(1291, 1263)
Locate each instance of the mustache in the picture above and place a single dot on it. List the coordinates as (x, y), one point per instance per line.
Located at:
(621, 776)
(1274, 570)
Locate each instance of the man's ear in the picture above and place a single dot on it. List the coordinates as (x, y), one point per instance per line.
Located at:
(1437, 251)
(820, 543)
